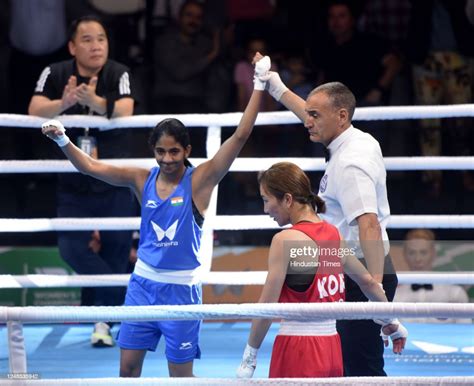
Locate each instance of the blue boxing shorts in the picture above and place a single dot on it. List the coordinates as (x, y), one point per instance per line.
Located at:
(181, 337)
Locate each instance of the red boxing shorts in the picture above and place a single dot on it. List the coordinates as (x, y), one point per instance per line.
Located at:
(295, 356)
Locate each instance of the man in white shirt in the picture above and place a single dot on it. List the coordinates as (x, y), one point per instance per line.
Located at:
(354, 189)
(419, 252)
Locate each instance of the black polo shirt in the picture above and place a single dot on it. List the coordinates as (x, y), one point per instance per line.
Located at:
(114, 82)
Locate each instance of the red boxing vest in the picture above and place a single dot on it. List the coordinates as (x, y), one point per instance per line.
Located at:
(328, 282)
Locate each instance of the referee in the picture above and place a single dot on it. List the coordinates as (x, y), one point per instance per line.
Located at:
(355, 192)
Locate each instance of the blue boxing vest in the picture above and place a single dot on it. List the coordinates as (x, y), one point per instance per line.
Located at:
(170, 239)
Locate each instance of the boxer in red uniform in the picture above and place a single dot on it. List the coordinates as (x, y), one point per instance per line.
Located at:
(320, 341)
(306, 263)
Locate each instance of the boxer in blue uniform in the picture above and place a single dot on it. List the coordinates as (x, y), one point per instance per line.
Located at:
(174, 197)
(166, 271)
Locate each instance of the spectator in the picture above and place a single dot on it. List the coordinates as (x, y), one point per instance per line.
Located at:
(372, 66)
(181, 61)
(388, 19)
(159, 15)
(419, 251)
(91, 84)
(440, 50)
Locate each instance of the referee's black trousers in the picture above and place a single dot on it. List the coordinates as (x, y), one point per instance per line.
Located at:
(362, 346)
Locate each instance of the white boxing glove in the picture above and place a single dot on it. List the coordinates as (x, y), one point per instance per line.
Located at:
(61, 140)
(401, 332)
(261, 69)
(248, 364)
(275, 85)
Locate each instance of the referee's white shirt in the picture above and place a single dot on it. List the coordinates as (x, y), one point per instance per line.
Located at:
(354, 183)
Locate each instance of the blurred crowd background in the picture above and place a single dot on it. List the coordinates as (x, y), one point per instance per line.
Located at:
(389, 52)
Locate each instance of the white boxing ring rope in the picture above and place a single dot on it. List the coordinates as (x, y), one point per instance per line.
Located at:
(214, 122)
(15, 316)
(209, 278)
(291, 311)
(222, 222)
(246, 164)
(411, 381)
(232, 119)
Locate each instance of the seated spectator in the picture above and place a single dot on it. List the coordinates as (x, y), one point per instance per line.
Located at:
(420, 253)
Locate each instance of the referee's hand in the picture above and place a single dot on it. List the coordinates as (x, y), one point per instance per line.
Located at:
(397, 333)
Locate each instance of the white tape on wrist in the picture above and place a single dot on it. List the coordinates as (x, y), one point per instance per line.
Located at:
(248, 364)
(258, 84)
(401, 332)
(250, 351)
(275, 86)
(63, 139)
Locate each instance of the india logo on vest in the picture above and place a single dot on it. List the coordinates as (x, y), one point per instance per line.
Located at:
(331, 284)
(168, 233)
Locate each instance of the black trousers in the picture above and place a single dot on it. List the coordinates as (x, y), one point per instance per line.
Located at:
(113, 256)
(362, 346)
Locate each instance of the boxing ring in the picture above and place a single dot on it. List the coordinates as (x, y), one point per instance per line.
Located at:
(44, 341)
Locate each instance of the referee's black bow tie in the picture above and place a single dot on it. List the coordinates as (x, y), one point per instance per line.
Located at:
(416, 287)
(327, 154)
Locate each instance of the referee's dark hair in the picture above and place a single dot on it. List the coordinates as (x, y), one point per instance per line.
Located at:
(339, 95)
